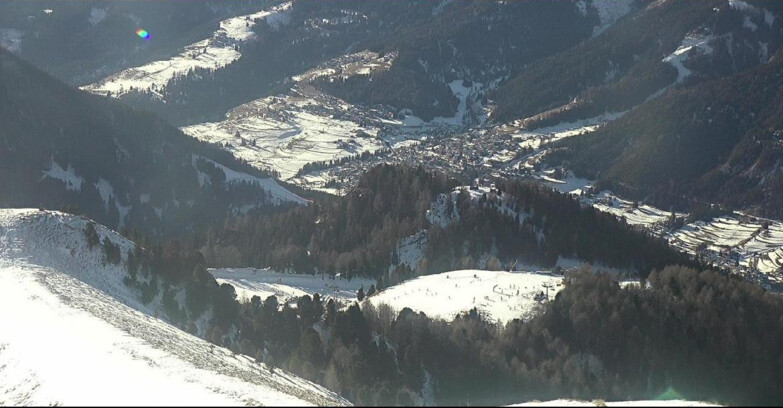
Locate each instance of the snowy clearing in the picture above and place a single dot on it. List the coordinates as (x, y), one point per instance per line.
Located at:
(288, 286)
(499, 296)
(537, 138)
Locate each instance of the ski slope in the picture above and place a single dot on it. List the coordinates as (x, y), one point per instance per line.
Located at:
(499, 296)
(71, 333)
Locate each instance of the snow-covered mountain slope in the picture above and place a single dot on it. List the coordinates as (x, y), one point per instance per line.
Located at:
(211, 54)
(500, 296)
(63, 309)
(249, 282)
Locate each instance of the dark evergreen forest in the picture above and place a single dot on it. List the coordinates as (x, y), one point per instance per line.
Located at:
(358, 234)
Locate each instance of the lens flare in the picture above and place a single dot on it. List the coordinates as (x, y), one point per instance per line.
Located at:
(143, 34)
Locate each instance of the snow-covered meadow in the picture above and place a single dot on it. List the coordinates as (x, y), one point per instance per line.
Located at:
(499, 296)
(285, 133)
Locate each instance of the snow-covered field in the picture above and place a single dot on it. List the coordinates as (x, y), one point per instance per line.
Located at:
(71, 333)
(500, 296)
(736, 241)
(212, 54)
(249, 282)
(286, 133)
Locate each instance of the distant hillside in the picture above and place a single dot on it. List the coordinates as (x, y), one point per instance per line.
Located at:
(400, 221)
(436, 43)
(60, 148)
(635, 60)
(718, 141)
(81, 41)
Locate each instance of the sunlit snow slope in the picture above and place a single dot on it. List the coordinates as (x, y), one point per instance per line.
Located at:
(500, 296)
(71, 333)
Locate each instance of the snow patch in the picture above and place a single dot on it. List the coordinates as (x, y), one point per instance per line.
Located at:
(692, 42)
(72, 180)
(537, 138)
(769, 18)
(279, 194)
(747, 23)
(287, 133)
(11, 39)
(97, 15)
(106, 191)
(609, 11)
(740, 5)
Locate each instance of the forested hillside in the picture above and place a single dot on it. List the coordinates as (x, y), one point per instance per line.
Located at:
(635, 60)
(61, 148)
(78, 42)
(716, 142)
(705, 335)
(359, 234)
(435, 45)
(607, 173)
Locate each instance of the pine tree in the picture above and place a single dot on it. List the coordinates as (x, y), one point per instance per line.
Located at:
(360, 293)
